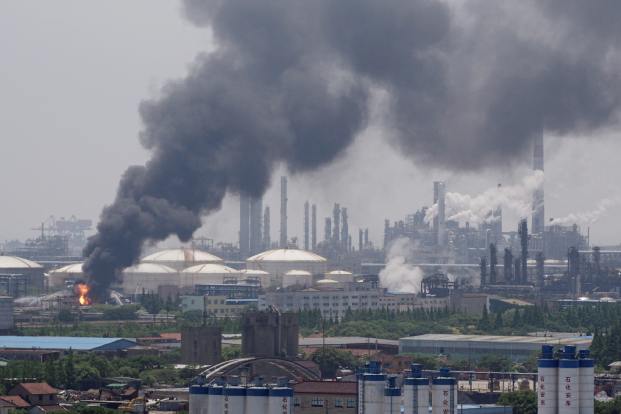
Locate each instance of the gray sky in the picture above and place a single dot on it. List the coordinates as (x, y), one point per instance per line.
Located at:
(73, 73)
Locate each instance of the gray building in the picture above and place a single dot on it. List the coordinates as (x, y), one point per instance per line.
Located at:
(6, 313)
(270, 334)
(201, 345)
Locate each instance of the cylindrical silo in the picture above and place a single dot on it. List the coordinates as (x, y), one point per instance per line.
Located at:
(568, 382)
(587, 383)
(280, 400)
(392, 397)
(373, 382)
(233, 400)
(416, 392)
(215, 399)
(443, 393)
(257, 400)
(199, 399)
(547, 381)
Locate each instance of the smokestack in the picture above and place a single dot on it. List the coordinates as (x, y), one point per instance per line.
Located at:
(540, 270)
(344, 228)
(439, 222)
(244, 226)
(283, 213)
(267, 241)
(360, 236)
(518, 270)
(366, 237)
(314, 226)
(483, 271)
(327, 230)
(256, 213)
(508, 265)
(306, 225)
(538, 213)
(493, 261)
(336, 224)
(523, 232)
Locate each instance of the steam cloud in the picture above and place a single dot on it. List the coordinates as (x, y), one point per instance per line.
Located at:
(588, 217)
(399, 275)
(476, 209)
(291, 82)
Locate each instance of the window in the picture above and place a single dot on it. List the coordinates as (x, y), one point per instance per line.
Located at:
(338, 403)
(317, 402)
(351, 403)
(296, 402)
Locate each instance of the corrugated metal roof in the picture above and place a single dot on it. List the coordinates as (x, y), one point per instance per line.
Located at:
(577, 340)
(65, 343)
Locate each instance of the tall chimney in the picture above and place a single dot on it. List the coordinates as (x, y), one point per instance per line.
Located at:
(523, 232)
(439, 222)
(283, 213)
(538, 209)
(256, 213)
(306, 225)
(327, 230)
(267, 241)
(336, 224)
(314, 226)
(344, 228)
(244, 226)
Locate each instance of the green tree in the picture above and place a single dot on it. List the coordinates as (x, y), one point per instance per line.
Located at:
(331, 359)
(70, 377)
(523, 402)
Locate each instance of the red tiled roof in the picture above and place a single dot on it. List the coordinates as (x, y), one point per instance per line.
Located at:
(38, 388)
(171, 335)
(15, 400)
(326, 387)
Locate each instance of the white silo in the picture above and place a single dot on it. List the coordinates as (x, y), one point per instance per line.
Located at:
(547, 381)
(280, 400)
(372, 383)
(215, 399)
(568, 382)
(443, 393)
(416, 392)
(233, 399)
(392, 397)
(587, 383)
(199, 399)
(257, 400)
(302, 278)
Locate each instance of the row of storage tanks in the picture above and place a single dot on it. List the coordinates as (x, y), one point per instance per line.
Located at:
(233, 398)
(377, 394)
(189, 267)
(566, 382)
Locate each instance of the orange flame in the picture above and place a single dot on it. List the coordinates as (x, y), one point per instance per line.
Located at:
(82, 289)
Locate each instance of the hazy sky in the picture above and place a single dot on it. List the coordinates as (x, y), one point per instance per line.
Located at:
(73, 72)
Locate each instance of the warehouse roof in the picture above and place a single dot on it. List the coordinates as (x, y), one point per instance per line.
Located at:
(326, 387)
(576, 340)
(65, 343)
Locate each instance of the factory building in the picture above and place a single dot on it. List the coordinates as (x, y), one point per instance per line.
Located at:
(182, 258)
(280, 261)
(65, 343)
(319, 397)
(216, 306)
(19, 277)
(473, 347)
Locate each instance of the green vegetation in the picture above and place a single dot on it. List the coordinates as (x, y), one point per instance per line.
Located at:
(608, 407)
(523, 402)
(331, 359)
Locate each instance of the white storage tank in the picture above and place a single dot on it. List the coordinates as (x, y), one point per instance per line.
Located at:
(568, 381)
(209, 274)
(261, 276)
(257, 400)
(279, 261)
(215, 399)
(69, 273)
(444, 393)
(180, 259)
(280, 399)
(147, 277)
(300, 278)
(587, 383)
(341, 276)
(371, 386)
(416, 392)
(547, 381)
(392, 397)
(233, 399)
(199, 399)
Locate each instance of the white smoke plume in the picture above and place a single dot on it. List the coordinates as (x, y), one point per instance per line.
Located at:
(588, 217)
(476, 209)
(399, 275)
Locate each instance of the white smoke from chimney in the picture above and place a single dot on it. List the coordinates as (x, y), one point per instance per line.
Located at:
(588, 217)
(399, 275)
(476, 209)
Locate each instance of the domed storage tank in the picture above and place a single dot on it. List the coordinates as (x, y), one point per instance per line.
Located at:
(301, 278)
(209, 274)
(327, 284)
(180, 259)
(31, 271)
(280, 261)
(341, 276)
(254, 275)
(147, 277)
(57, 278)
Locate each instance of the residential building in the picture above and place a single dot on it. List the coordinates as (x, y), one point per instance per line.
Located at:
(36, 393)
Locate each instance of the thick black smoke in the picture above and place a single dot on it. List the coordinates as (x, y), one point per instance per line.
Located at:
(468, 85)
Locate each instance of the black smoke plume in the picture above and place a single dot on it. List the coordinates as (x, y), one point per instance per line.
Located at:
(467, 84)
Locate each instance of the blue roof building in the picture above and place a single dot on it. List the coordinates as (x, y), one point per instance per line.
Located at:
(65, 343)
